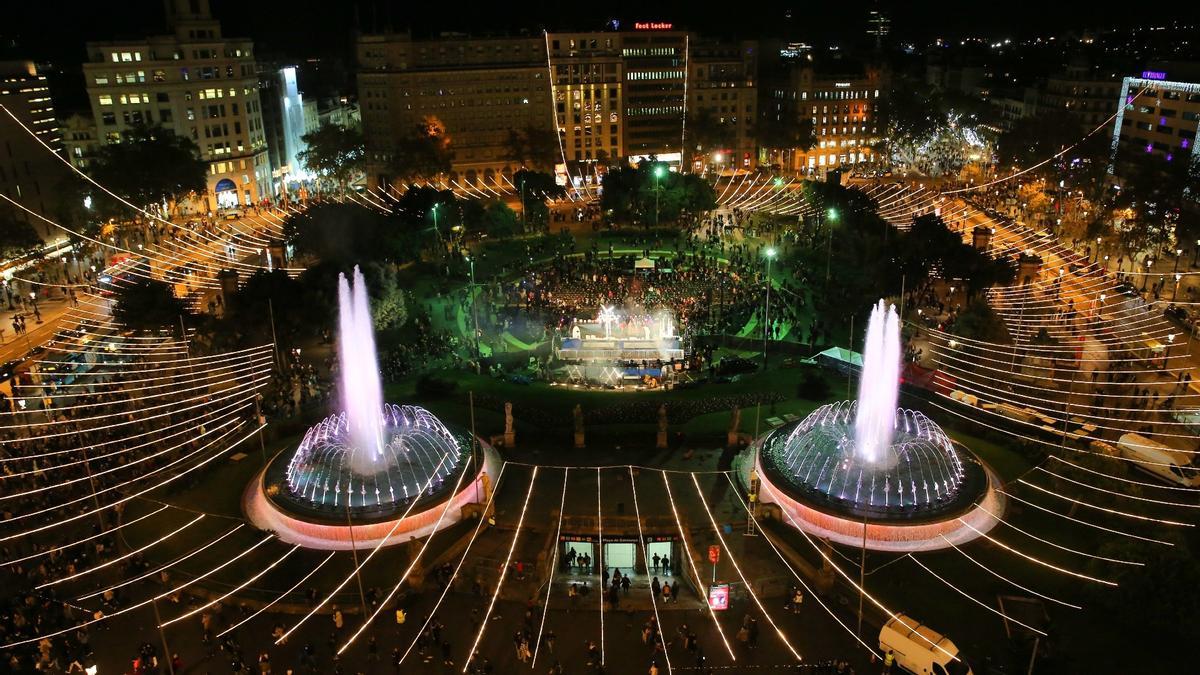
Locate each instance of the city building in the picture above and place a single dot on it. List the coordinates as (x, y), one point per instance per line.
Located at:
(723, 86)
(1014, 103)
(80, 140)
(284, 123)
(842, 101)
(1088, 93)
(479, 89)
(196, 83)
(29, 170)
(1159, 114)
(655, 59)
(588, 79)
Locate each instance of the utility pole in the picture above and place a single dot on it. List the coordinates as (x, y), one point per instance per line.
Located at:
(475, 315)
(770, 253)
(362, 596)
(862, 576)
(162, 636)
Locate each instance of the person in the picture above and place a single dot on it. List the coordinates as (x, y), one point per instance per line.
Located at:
(888, 659)
(655, 587)
(666, 591)
(625, 584)
(653, 668)
(573, 593)
(666, 565)
(657, 558)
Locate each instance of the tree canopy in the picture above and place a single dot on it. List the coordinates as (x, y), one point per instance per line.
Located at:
(534, 189)
(148, 305)
(335, 153)
(636, 193)
(17, 236)
(151, 165)
(423, 153)
(345, 234)
(533, 146)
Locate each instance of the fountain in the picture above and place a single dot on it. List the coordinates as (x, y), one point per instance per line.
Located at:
(370, 464)
(868, 459)
(879, 385)
(361, 391)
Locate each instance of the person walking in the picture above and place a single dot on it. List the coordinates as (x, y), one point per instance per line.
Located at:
(625, 584)
(666, 592)
(657, 559)
(666, 566)
(655, 587)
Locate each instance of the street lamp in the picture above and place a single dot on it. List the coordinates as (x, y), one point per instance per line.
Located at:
(832, 217)
(659, 170)
(1195, 252)
(1146, 277)
(1175, 291)
(1098, 240)
(474, 314)
(1178, 252)
(770, 253)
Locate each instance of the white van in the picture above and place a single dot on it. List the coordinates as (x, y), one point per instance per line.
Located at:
(1158, 460)
(920, 649)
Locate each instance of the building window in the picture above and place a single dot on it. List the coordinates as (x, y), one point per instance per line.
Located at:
(102, 79)
(106, 99)
(127, 57)
(160, 76)
(108, 118)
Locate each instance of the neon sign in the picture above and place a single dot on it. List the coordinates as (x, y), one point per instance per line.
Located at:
(653, 25)
(1153, 75)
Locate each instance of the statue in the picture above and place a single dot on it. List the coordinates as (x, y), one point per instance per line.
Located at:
(735, 421)
(661, 441)
(510, 436)
(578, 414)
(575, 332)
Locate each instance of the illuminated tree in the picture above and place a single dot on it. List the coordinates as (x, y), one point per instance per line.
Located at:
(335, 153)
(151, 165)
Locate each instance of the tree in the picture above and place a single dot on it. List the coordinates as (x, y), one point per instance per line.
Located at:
(17, 236)
(534, 188)
(533, 146)
(388, 305)
(148, 305)
(423, 153)
(639, 192)
(1033, 139)
(493, 218)
(706, 133)
(978, 321)
(345, 234)
(788, 135)
(335, 153)
(151, 165)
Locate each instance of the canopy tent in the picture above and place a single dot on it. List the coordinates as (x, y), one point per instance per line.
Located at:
(840, 359)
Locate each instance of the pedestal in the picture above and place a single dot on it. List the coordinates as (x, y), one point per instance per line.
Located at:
(731, 439)
(510, 439)
(579, 439)
(661, 443)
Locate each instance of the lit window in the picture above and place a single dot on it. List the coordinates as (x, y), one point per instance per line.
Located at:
(101, 79)
(116, 57)
(105, 99)
(126, 57)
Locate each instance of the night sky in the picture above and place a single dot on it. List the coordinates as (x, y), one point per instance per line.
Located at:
(45, 32)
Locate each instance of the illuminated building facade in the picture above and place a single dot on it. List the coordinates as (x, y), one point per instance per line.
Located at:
(28, 172)
(196, 83)
(844, 109)
(479, 89)
(723, 86)
(1160, 115)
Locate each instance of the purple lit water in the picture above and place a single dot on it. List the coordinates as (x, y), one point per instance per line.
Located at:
(362, 392)
(878, 386)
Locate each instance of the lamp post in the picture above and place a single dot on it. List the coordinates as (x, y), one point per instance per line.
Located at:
(832, 216)
(474, 314)
(1146, 277)
(436, 232)
(770, 253)
(659, 170)
(1175, 291)
(1195, 252)
(1098, 240)
(1178, 252)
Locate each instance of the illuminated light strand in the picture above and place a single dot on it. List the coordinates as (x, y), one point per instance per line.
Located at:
(972, 598)
(1006, 579)
(89, 179)
(281, 596)
(562, 502)
(600, 558)
(102, 533)
(411, 565)
(358, 568)
(1127, 480)
(875, 601)
(120, 385)
(1043, 563)
(244, 584)
(1068, 549)
(88, 514)
(1089, 486)
(799, 578)
(215, 415)
(692, 563)
(118, 559)
(646, 560)
(62, 483)
(130, 608)
(166, 566)
(483, 517)
(733, 560)
(503, 575)
(198, 401)
(185, 362)
(202, 384)
(1105, 509)
(1084, 522)
(123, 377)
(95, 493)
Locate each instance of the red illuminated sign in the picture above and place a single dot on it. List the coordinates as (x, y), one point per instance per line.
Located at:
(653, 25)
(714, 554)
(718, 597)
